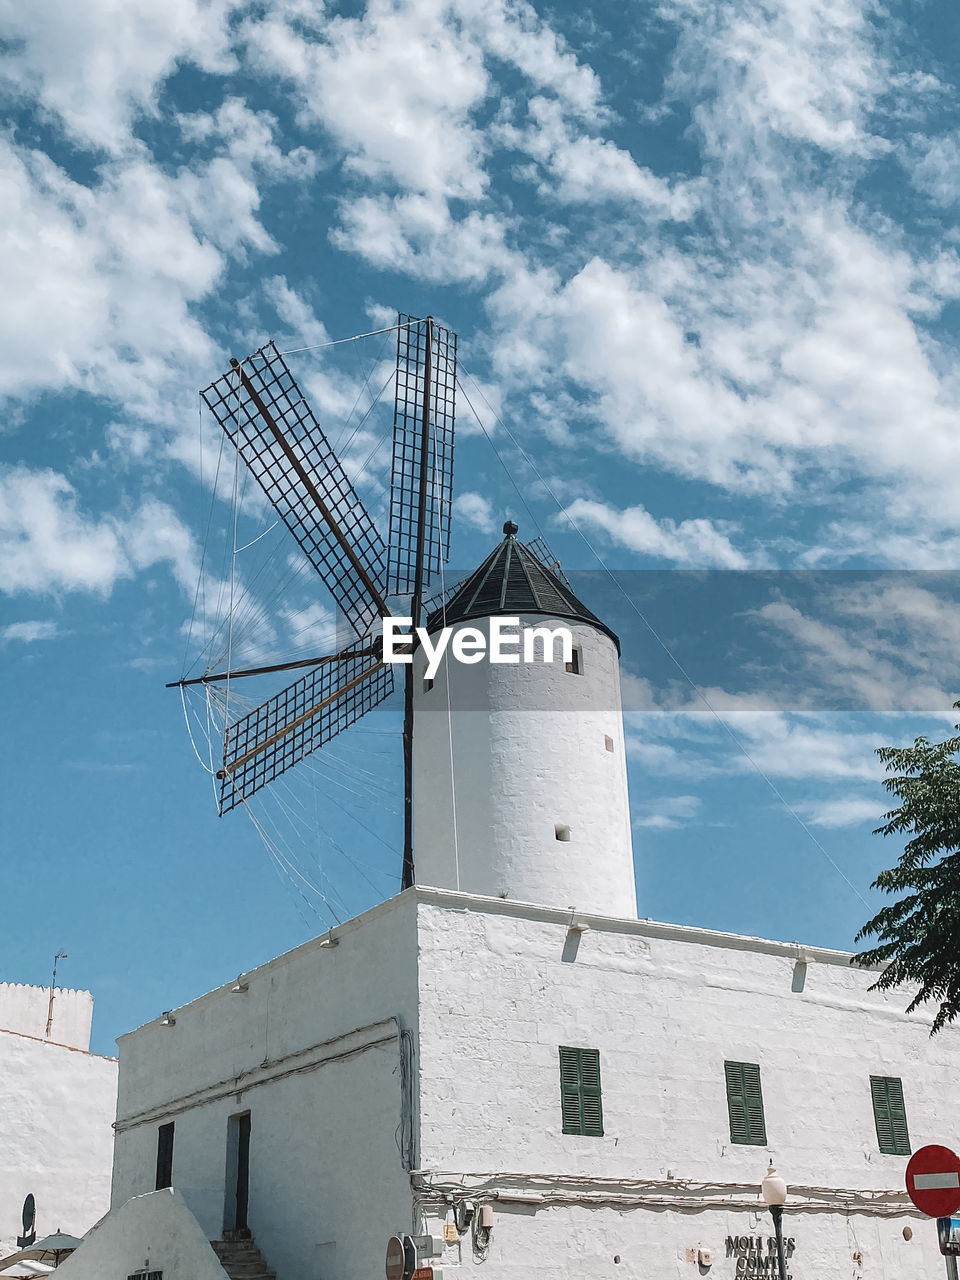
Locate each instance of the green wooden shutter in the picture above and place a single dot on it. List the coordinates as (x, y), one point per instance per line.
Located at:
(890, 1115)
(591, 1109)
(570, 1089)
(745, 1104)
(580, 1102)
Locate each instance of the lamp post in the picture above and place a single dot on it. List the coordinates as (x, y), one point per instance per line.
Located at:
(774, 1192)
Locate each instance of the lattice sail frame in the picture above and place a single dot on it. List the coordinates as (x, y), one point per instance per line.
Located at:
(407, 462)
(546, 557)
(306, 715)
(262, 411)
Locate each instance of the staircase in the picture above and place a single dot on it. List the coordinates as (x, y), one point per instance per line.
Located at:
(241, 1259)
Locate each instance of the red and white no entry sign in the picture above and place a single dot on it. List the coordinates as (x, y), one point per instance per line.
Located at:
(933, 1181)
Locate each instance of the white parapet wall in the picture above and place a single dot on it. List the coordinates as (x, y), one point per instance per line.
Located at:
(155, 1232)
(57, 1106)
(26, 1009)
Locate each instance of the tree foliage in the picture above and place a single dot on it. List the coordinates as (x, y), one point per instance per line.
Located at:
(918, 936)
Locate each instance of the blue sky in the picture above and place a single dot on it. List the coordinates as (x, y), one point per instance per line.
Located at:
(703, 259)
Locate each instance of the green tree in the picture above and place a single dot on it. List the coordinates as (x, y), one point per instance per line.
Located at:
(918, 936)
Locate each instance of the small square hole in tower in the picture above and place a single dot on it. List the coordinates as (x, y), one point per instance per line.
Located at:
(608, 742)
(561, 832)
(575, 666)
(427, 686)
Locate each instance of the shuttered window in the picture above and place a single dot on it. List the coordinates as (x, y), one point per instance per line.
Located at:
(745, 1104)
(890, 1115)
(580, 1091)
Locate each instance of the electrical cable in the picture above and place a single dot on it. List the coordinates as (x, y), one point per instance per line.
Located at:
(336, 342)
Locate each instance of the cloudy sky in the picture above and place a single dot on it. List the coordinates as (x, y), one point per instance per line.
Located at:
(703, 259)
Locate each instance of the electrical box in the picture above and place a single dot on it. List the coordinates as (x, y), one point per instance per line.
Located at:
(450, 1233)
(428, 1246)
(704, 1257)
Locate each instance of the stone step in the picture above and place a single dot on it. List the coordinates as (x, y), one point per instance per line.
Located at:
(242, 1260)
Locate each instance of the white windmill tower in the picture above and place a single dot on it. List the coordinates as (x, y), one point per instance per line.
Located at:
(519, 770)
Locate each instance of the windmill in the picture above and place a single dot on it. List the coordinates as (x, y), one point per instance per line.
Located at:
(263, 412)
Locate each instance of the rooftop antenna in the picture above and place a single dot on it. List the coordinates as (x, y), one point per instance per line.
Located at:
(263, 412)
(61, 955)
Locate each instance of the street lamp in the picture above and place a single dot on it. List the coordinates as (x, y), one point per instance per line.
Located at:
(774, 1192)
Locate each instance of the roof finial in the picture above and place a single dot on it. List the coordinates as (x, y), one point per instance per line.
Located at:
(510, 528)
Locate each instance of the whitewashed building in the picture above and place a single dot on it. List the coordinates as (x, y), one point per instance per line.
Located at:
(505, 1060)
(57, 1105)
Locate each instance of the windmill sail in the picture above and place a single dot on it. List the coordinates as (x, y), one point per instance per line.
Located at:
(432, 369)
(306, 715)
(263, 413)
(546, 557)
(262, 410)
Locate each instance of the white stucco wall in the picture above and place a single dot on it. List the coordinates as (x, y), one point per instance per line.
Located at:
(503, 986)
(155, 1232)
(25, 1009)
(529, 753)
(57, 1106)
(312, 1051)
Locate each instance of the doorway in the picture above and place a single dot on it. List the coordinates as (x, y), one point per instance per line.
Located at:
(238, 1174)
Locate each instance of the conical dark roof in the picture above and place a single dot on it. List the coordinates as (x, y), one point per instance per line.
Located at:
(512, 580)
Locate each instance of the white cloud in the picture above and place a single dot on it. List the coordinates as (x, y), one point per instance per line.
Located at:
(695, 543)
(295, 312)
(98, 283)
(934, 168)
(843, 811)
(803, 71)
(801, 746)
(30, 632)
(96, 67)
(313, 627)
(475, 510)
(222, 195)
(419, 236)
(156, 535)
(882, 644)
(667, 812)
(48, 543)
(514, 32)
(394, 88)
(787, 344)
(738, 739)
(802, 360)
(101, 279)
(585, 169)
